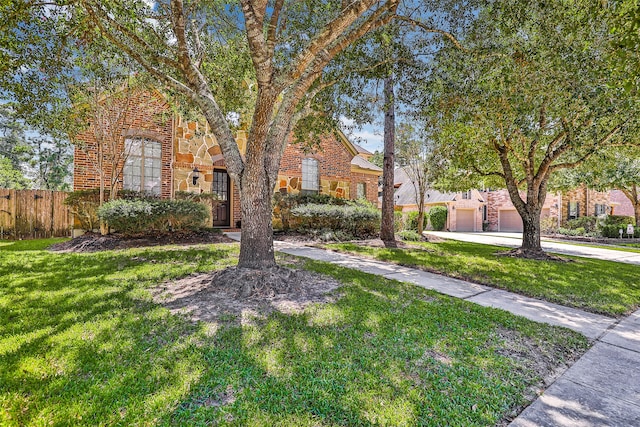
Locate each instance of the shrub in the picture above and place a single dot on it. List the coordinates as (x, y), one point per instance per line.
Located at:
(438, 217)
(84, 204)
(549, 225)
(610, 226)
(283, 204)
(412, 221)
(409, 236)
(360, 218)
(588, 223)
(143, 215)
(398, 221)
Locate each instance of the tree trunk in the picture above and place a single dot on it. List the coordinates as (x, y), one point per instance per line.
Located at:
(636, 212)
(387, 232)
(531, 231)
(256, 250)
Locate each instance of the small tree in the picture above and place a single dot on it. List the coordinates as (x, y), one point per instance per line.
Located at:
(112, 110)
(413, 152)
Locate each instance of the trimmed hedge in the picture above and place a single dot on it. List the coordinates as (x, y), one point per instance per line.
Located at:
(438, 217)
(359, 219)
(283, 204)
(143, 215)
(610, 226)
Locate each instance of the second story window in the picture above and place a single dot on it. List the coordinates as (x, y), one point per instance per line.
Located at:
(310, 181)
(143, 167)
(466, 195)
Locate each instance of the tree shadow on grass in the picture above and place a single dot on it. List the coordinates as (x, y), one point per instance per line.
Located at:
(81, 343)
(383, 354)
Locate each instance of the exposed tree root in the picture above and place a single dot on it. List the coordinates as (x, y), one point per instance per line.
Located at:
(535, 254)
(390, 244)
(266, 283)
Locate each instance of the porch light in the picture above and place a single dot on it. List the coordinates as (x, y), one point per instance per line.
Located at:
(195, 175)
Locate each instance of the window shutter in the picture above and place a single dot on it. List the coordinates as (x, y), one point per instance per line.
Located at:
(568, 210)
(577, 209)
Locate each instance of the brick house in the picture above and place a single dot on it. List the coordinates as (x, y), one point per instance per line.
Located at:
(464, 209)
(164, 154)
(492, 210)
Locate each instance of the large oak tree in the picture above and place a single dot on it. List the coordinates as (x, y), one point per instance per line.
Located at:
(289, 44)
(533, 95)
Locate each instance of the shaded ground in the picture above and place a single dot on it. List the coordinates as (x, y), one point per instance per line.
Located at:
(213, 297)
(94, 242)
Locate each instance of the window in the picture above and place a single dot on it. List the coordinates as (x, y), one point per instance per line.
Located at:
(601, 209)
(485, 216)
(143, 167)
(466, 195)
(573, 210)
(361, 190)
(309, 175)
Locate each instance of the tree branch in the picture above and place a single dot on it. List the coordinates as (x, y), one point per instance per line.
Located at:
(429, 29)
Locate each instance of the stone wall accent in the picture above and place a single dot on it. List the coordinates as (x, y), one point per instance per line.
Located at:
(85, 174)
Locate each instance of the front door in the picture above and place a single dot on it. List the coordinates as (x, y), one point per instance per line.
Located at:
(222, 207)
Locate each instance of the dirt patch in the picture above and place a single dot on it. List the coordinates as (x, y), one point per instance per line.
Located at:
(94, 242)
(531, 254)
(221, 297)
(532, 360)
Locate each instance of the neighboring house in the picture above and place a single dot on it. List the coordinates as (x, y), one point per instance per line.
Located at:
(492, 210)
(620, 204)
(465, 209)
(172, 154)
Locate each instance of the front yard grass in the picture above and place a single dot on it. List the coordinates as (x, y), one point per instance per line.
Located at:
(604, 287)
(82, 343)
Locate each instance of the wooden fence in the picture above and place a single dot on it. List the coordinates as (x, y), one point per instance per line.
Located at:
(33, 214)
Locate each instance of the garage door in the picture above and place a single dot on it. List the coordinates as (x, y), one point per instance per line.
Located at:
(465, 219)
(509, 220)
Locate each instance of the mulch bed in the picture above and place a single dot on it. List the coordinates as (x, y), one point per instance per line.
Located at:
(94, 242)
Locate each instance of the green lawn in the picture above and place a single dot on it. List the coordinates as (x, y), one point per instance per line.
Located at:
(623, 247)
(599, 286)
(82, 343)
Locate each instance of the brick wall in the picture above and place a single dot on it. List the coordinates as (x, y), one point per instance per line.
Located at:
(500, 200)
(623, 204)
(371, 186)
(586, 199)
(334, 163)
(333, 158)
(151, 121)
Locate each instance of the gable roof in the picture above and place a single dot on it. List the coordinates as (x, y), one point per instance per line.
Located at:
(362, 150)
(406, 193)
(363, 163)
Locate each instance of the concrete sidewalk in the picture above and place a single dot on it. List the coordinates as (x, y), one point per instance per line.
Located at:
(600, 389)
(513, 240)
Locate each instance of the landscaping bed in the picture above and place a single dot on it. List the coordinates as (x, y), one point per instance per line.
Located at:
(603, 287)
(84, 341)
(93, 242)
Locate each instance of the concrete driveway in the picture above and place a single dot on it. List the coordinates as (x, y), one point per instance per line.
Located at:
(514, 240)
